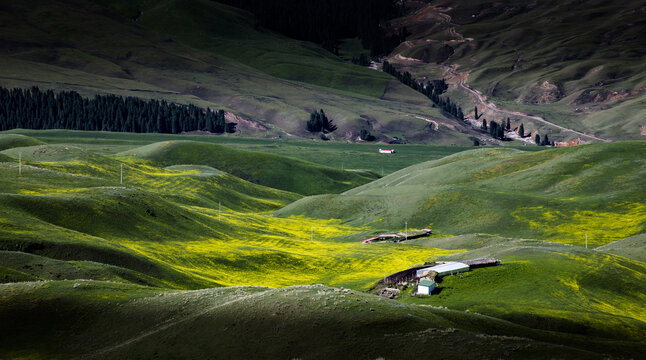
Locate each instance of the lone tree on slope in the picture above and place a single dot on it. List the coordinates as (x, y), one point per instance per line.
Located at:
(319, 122)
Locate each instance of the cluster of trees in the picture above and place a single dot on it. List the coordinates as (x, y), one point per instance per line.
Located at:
(36, 109)
(325, 22)
(319, 122)
(365, 135)
(496, 130)
(543, 142)
(432, 90)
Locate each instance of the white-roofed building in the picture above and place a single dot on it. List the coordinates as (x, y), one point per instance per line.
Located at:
(449, 268)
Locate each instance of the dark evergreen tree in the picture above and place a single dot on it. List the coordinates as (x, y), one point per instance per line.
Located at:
(521, 131)
(537, 139)
(460, 114)
(493, 129)
(545, 141)
(484, 124)
(366, 136)
(319, 122)
(508, 125)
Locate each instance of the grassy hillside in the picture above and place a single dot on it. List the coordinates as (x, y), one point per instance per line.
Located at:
(265, 169)
(211, 55)
(230, 32)
(575, 63)
(98, 320)
(547, 286)
(165, 223)
(559, 194)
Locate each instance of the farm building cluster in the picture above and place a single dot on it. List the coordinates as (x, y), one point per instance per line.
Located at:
(401, 236)
(426, 276)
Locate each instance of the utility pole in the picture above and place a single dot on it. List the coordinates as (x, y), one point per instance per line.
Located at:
(406, 230)
(219, 211)
(20, 163)
(586, 240)
(121, 174)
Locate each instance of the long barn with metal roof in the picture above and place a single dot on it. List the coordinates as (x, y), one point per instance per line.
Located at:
(445, 269)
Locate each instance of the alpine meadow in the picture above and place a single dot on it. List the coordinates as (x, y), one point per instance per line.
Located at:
(322, 179)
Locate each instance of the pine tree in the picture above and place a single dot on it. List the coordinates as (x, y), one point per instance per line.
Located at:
(508, 125)
(521, 131)
(493, 129)
(537, 139)
(484, 124)
(545, 141)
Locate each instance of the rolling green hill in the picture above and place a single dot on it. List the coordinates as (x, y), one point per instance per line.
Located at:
(100, 269)
(111, 320)
(564, 288)
(274, 171)
(187, 226)
(559, 194)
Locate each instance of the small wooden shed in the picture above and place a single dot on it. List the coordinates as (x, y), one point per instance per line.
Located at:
(425, 287)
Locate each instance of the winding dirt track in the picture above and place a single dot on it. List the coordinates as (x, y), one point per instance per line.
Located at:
(493, 107)
(438, 13)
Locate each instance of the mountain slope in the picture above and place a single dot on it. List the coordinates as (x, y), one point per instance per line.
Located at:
(577, 64)
(208, 54)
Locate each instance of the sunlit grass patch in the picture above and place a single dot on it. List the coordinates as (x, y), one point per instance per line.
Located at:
(268, 251)
(572, 227)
